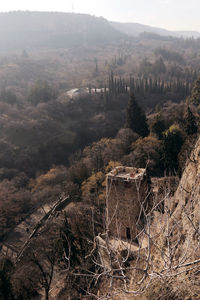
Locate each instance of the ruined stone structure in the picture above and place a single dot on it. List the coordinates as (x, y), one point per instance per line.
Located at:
(126, 190)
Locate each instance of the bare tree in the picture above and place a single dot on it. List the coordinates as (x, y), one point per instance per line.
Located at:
(37, 265)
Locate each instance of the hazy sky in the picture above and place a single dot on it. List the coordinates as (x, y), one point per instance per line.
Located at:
(169, 14)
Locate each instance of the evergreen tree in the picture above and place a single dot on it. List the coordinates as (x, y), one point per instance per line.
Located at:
(172, 142)
(135, 118)
(190, 122)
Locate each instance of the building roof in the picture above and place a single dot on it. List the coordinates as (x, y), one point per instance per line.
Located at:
(126, 173)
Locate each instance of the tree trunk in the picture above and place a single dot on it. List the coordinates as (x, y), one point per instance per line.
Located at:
(47, 294)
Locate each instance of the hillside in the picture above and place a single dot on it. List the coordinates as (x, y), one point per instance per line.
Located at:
(166, 264)
(135, 29)
(53, 30)
(24, 30)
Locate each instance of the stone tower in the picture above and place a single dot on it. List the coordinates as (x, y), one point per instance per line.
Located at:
(126, 189)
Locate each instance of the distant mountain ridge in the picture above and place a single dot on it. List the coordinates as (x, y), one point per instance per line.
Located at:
(19, 30)
(35, 30)
(135, 29)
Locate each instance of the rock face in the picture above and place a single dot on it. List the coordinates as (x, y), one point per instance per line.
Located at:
(190, 179)
(186, 205)
(178, 233)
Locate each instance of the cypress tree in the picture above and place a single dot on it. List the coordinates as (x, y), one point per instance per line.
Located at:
(172, 142)
(135, 118)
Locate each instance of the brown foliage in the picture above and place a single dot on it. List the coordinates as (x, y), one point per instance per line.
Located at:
(14, 204)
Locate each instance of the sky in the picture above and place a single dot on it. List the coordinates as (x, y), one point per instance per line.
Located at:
(168, 14)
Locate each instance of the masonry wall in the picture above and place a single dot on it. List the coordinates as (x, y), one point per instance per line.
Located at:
(123, 206)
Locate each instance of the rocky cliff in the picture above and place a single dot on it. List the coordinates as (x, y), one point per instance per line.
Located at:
(175, 234)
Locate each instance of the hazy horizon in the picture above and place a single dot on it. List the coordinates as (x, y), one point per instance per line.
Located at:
(167, 14)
